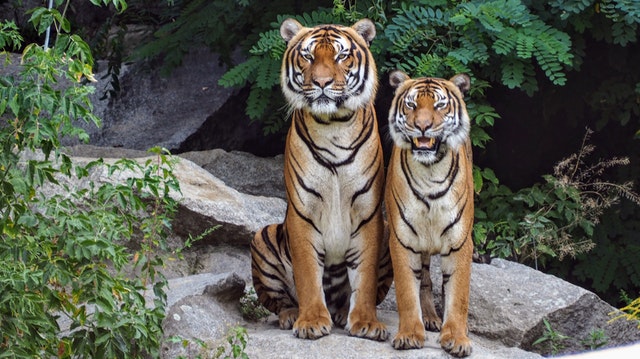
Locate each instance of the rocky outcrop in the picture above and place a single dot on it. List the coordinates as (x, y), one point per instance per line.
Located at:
(508, 301)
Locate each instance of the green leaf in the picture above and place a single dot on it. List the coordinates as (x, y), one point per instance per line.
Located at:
(477, 180)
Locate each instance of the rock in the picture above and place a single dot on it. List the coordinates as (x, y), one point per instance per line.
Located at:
(205, 200)
(512, 309)
(155, 110)
(508, 301)
(175, 111)
(200, 307)
(245, 172)
(268, 341)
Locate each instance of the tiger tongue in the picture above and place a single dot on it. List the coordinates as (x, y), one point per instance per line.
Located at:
(427, 143)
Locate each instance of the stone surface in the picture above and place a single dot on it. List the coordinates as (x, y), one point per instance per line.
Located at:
(508, 301)
(243, 171)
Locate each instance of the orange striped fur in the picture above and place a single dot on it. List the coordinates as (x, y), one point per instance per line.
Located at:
(328, 263)
(429, 202)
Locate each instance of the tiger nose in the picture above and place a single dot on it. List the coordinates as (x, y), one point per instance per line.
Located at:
(424, 123)
(323, 82)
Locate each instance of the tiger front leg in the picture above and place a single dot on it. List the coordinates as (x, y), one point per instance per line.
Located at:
(407, 267)
(430, 317)
(362, 269)
(456, 269)
(314, 320)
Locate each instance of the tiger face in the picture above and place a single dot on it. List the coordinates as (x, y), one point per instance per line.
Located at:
(328, 70)
(428, 115)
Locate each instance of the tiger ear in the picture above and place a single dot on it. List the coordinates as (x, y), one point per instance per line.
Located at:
(397, 78)
(366, 29)
(289, 29)
(463, 81)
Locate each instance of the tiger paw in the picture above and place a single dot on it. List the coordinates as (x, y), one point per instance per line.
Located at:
(373, 330)
(287, 317)
(408, 340)
(312, 329)
(340, 317)
(458, 346)
(433, 324)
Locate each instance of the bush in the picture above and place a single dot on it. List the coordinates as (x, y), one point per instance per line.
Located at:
(64, 287)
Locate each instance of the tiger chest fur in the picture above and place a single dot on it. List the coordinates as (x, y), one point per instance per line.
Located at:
(429, 201)
(431, 204)
(335, 170)
(328, 261)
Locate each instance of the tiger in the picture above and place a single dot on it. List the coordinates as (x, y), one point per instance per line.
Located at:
(328, 262)
(429, 206)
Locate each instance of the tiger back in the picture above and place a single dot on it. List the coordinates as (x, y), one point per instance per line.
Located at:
(429, 202)
(328, 262)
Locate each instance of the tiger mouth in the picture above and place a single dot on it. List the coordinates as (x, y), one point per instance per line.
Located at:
(424, 143)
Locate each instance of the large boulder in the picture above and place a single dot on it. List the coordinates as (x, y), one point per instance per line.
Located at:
(509, 301)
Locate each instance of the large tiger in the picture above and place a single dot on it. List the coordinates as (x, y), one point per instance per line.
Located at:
(429, 201)
(328, 263)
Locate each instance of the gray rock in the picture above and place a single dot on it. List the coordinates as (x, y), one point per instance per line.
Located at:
(201, 307)
(508, 301)
(268, 341)
(205, 200)
(151, 109)
(155, 110)
(243, 171)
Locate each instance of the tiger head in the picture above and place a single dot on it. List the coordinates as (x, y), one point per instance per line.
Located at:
(328, 70)
(428, 115)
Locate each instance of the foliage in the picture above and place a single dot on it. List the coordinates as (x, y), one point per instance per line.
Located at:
(236, 343)
(194, 22)
(64, 254)
(262, 72)
(553, 219)
(516, 44)
(629, 312)
(554, 340)
(597, 339)
(250, 306)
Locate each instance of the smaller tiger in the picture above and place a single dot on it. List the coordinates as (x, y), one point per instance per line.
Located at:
(429, 201)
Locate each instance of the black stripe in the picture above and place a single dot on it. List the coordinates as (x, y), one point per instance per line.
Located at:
(260, 266)
(409, 177)
(303, 133)
(401, 211)
(456, 220)
(445, 278)
(305, 218)
(451, 176)
(403, 245)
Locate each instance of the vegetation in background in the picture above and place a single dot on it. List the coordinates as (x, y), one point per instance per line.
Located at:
(517, 44)
(524, 45)
(250, 307)
(553, 342)
(629, 312)
(234, 348)
(552, 339)
(65, 291)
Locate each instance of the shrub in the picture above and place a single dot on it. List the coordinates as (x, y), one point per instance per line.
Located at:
(64, 287)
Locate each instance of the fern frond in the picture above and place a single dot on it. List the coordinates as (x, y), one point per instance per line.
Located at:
(525, 45)
(505, 43)
(257, 102)
(240, 74)
(271, 43)
(268, 74)
(512, 73)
